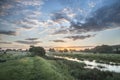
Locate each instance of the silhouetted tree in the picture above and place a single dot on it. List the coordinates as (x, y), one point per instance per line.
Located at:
(61, 51)
(52, 50)
(8, 49)
(102, 49)
(87, 50)
(65, 50)
(40, 51)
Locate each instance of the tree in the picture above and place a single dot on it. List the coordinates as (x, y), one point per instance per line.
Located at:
(72, 50)
(103, 49)
(52, 50)
(40, 51)
(61, 51)
(65, 50)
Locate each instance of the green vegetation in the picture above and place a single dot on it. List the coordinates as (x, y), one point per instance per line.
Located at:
(103, 58)
(51, 50)
(104, 49)
(39, 51)
(78, 71)
(49, 68)
(12, 55)
(32, 68)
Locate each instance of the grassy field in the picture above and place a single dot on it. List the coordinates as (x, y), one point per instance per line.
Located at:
(49, 68)
(32, 68)
(102, 58)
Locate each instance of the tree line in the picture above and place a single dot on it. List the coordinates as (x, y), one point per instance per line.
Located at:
(104, 49)
(97, 49)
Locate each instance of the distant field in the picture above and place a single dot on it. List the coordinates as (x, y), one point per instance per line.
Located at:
(25, 67)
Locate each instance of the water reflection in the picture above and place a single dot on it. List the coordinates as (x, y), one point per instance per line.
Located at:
(93, 64)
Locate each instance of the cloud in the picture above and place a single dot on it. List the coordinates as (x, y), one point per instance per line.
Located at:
(105, 17)
(60, 32)
(13, 33)
(28, 23)
(92, 4)
(76, 47)
(5, 42)
(28, 42)
(20, 8)
(79, 37)
(65, 14)
(58, 40)
(23, 17)
(4, 5)
(31, 39)
(30, 2)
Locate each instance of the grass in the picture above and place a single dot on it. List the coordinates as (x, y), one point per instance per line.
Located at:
(78, 71)
(12, 55)
(49, 68)
(102, 58)
(32, 68)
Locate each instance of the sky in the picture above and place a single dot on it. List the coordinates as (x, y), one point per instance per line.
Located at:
(59, 23)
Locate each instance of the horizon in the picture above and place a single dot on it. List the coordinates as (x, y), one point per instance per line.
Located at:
(76, 48)
(69, 24)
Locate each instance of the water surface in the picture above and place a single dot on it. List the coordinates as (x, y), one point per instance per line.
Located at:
(93, 64)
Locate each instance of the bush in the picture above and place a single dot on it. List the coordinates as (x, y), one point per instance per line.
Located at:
(39, 51)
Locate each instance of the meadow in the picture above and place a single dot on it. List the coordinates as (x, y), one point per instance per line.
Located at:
(23, 66)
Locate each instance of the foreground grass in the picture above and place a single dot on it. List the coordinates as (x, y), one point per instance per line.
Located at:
(32, 68)
(103, 58)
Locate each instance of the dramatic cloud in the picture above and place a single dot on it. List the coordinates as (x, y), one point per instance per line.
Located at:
(68, 19)
(65, 14)
(28, 42)
(20, 14)
(58, 40)
(8, 33)
(31, 39)
(79, 37)
(5, 42)
(28, 23)
(16, 5)
(30, 2)
(106, 17)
